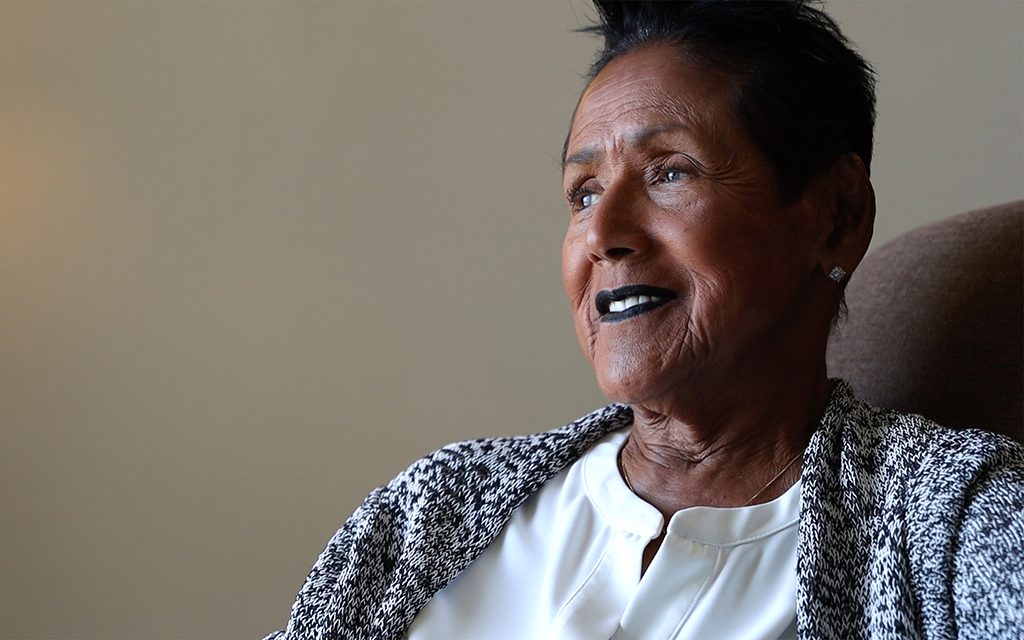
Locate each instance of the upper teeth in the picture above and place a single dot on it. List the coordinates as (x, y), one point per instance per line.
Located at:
(617, 306)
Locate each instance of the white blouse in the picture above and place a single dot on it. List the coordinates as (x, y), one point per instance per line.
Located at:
(567, 565)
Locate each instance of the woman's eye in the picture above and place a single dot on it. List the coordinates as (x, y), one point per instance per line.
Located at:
(582, 198)
(672, 175)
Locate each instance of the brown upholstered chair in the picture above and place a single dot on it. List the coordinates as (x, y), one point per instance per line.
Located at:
(936, 323)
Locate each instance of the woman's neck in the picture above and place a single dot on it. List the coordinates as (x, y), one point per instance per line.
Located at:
(710, 456)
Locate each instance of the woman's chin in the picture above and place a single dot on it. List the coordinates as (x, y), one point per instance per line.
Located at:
(631, 384)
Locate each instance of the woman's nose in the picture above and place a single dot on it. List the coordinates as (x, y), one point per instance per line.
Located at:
(616, 230)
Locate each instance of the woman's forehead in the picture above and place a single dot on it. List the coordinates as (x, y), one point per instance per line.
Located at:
(646, 94)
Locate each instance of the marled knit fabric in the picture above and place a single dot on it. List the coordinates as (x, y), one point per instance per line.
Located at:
(907, 530)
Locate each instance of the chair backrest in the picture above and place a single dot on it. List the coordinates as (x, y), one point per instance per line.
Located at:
(936, 323)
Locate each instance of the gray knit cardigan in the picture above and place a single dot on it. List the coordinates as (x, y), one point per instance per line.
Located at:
(907, 530)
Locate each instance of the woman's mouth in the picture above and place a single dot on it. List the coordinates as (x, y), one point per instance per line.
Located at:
(630, 301)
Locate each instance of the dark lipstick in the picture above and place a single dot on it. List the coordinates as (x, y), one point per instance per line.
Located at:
(607, 300)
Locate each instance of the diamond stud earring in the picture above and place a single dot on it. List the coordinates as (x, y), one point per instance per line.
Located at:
(837, 274)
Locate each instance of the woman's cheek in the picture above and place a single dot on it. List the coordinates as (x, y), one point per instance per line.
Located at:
(575, 271)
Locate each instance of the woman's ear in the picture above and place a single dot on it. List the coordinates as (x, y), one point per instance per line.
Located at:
(849, 209)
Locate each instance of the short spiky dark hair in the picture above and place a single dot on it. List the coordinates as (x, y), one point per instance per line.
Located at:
(803, 94)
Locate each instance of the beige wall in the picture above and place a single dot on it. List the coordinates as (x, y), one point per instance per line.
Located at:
(257, 257)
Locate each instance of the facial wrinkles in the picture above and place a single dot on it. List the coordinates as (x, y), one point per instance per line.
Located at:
(616, 97)
(661, 126)
(603, 134)
(689, 342)
(692, 342)
(735, 170)
(616, 123)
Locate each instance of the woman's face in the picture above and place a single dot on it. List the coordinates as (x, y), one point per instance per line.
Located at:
(681, 264)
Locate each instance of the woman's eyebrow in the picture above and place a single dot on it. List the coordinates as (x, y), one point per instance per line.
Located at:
(587, 155)
(644, 135)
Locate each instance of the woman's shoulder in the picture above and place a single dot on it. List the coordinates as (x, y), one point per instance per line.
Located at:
(410, 537)
(890, 495)
(888, 461)
(855, 428)
(938, 482)
(529, 459)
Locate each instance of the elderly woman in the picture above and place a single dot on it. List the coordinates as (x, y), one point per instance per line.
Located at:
(716, 173)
